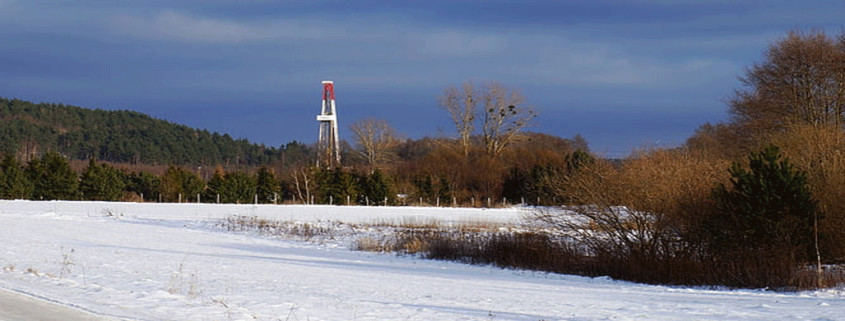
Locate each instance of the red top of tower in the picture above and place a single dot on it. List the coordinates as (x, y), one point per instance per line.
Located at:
(328, 90)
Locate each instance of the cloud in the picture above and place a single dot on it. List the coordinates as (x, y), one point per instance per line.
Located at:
(460, 43)
(170, 25)
(389, 49)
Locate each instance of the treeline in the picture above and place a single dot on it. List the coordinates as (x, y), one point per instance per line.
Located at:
(50, 177)
(428, 172)
(28, 130)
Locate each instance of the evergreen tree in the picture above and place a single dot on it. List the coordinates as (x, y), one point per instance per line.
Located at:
(267, 186)
(376, 188)
(53, 179)
(425, 187)
(178, 181)
(214, 187)
(334, 186)
(768, 207)
(577, 160)
(101, 182)
(144, 184)
(444, 191)
(14, 183)
(238, 187)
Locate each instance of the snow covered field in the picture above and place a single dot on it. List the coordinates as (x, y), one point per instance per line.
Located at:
(170, 262)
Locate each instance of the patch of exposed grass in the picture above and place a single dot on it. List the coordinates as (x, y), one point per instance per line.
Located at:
(298, 230)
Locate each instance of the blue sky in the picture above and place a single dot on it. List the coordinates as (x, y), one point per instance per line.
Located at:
(623, 74)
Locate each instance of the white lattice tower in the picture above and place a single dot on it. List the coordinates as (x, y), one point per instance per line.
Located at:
(329, 143)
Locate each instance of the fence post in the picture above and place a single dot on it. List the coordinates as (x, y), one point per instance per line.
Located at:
(454, 201)
(488, 202)
(198, 198)
(331, 200)
(347, 200)
(256, 199)
(180, 197)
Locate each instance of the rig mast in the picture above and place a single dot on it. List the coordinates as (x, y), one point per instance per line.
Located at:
(329, 143)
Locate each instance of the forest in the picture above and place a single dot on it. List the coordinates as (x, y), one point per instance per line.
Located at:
(751, 202)
(30, 129)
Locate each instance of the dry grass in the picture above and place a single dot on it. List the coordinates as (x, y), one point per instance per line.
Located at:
(302, 231)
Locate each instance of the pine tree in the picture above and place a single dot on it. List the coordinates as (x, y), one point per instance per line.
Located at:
(101, 182)
(238, 187)
(178, 181)
(214, 187)
(444, 191)
(334, 186)
(14, 183)
(53, 179)
(144, 184)
(376, 188)
(767, 207)
(425, 188)
(267, 186)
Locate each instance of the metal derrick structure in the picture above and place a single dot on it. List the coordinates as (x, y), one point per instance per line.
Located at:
(329, 142)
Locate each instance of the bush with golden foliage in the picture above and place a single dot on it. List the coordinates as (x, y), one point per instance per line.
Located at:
(820, 151)
(635, 220)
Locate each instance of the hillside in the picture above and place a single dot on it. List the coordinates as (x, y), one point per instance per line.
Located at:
(29, 129)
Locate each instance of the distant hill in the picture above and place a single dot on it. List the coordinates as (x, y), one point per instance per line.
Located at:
(29, 129)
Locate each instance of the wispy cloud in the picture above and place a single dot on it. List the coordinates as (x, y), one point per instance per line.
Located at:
(171, 25)
(461, 43)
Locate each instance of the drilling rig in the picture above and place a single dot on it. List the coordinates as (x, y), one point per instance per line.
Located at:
(329, 143)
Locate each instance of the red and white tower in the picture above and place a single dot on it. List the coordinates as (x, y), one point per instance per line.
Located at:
(329, 143)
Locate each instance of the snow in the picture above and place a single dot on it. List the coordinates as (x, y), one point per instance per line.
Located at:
(172, 262)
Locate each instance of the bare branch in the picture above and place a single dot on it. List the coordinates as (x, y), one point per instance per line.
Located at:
(376, 141)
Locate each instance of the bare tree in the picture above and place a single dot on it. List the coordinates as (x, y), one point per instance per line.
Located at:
(801, 81)
(502, 111)
(504, 116)
(304, 176)
(376, 141)
(462, 105)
